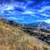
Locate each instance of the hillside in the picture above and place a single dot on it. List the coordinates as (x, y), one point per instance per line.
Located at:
(13, 38)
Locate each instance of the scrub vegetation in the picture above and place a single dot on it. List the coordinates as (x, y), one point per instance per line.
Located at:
(14, 38)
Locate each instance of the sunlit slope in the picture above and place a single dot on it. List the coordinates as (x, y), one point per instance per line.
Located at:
(13, 38)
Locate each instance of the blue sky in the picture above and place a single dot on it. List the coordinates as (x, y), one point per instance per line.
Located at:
(26, 13)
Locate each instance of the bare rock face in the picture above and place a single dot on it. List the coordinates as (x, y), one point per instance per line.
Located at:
(13, 38)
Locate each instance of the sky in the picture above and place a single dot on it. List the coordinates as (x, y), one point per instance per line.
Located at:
(26, 11)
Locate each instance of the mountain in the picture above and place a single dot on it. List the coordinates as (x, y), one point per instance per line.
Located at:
(42, 25)
(13, 38)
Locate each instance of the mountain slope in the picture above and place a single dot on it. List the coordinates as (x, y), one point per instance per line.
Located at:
(13, 38)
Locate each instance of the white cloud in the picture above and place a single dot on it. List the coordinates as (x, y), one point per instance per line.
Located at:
(47, 21)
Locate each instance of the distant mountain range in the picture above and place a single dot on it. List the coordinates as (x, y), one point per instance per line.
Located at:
(42, 25)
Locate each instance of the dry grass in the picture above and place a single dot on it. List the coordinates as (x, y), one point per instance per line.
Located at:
(13, 38)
